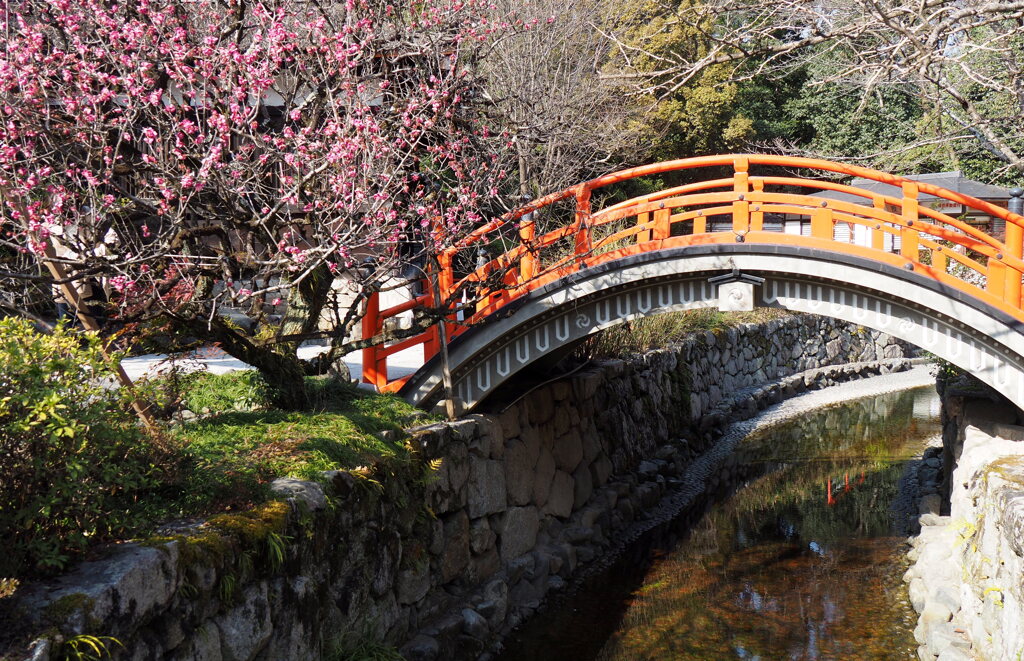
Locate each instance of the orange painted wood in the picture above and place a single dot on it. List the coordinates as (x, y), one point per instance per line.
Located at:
(743, 198)
(821, 223)
(371, 326)
(908, 236)
(1014, 247)
(662, 224)
(643, 236)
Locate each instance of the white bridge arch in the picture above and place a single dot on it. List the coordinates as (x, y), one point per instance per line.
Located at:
(942, 320)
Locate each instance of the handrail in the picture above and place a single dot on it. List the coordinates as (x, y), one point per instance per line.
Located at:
(679, 216)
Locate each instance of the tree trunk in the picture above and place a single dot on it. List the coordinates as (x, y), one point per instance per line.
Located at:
(284, 376)
(306, 301)
(282, 371)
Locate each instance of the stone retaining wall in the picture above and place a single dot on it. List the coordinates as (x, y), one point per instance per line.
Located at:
(967, 580)
(444, 552)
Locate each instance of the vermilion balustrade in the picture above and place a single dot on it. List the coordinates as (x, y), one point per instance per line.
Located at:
(930, 242)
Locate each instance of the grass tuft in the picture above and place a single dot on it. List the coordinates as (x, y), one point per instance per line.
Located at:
(660, 331)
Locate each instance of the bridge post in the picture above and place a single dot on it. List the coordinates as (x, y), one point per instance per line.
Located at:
(527, 233)
(877, 234)
(662, 223)
(756, 215)
(908, 235)
(1014, 245)
(642, 219)
(371, 324)
(741, 207)
(583, 243)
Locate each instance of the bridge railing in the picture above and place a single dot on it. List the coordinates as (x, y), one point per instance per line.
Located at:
(892, 229)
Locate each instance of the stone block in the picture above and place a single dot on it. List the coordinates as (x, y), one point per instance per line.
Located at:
(543, 474)
(955, 654)
(463, 429)
(518, 532)
(933, 615)
(421, 648)
(625, 509)
(246, 628)
(586, 385)
(568, 451)
(481, 537)
(302, 493)
(491, 431)
(930, 504)
(600, 470)
(540, 406)
(528, 593)
(387, 552)
(509, 421)
(203, 644)
(532, 439)
(591, 445)
(486, 492)
(918, 594)
(412, 584)
(583, 486)
(562, 420)
(483, 566)
(293, 641)
(519, 473)
(561, 495)
(941, 637)
(455, 556)
(474, 624)
(436, 543)
(519, 568)
(495, 597)
(132, 583)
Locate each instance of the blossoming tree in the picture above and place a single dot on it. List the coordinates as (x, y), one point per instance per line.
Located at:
(206, 154)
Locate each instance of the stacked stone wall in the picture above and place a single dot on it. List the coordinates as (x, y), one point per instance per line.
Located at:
(443, 553)
(967, 577)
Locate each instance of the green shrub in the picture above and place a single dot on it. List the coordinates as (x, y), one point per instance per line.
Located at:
(72, 456)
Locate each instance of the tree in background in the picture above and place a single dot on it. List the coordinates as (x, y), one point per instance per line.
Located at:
(206, 155)
(543, 86)
(960, 61)
(690, 116)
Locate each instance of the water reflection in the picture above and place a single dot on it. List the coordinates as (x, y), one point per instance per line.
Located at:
(802, 562)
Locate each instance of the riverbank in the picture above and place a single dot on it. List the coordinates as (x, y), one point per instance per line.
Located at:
(967, 577)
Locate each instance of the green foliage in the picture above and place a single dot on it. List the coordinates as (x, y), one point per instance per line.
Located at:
(360, 647)
(698, 118)
(661, 330)
(229, 458)
(87, 648)
(235, 391)
(837, 120)
(72, 456)
(78, 469)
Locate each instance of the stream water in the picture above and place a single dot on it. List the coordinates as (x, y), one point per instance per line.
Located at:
(799, 558)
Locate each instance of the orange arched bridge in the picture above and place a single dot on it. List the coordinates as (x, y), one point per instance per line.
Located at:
(805, 243)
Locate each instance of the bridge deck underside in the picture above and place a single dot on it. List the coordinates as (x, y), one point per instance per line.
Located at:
(964, 331)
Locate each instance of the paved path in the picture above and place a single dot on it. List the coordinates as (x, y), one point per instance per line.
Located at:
(917, 376)
(216, 361)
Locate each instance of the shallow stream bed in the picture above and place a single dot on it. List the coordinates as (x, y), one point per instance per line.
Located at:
(798, 557)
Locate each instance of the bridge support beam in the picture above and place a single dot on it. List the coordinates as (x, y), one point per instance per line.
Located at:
(947, 323)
